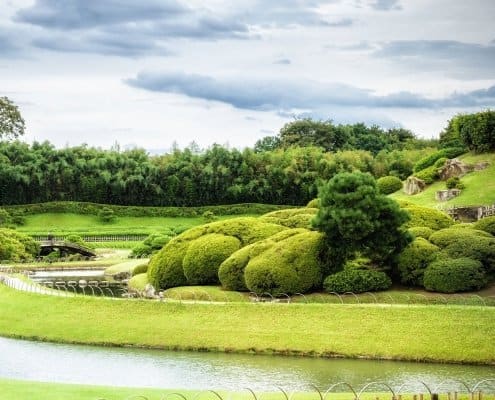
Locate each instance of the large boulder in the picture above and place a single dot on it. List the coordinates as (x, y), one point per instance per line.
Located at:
(414, 185)
(453, 168)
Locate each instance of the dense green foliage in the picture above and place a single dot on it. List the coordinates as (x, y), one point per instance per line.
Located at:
(140, 269)
(167, 266)
(39, 173)
(428, 175)
(458, 275)
(432, 158)
(475, 131)
(357, 281)
(414, 260)
(11, 122)
(151, 244)
(15, 246)
(291, 218)
(289, 266)
(486, 224)
(454, 183)
(204, 256)
(355, 216)
(421, 231)
(331, 137)
(429, 217)
(389, 184)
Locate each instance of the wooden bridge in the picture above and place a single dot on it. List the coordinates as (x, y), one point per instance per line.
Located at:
(65, 247)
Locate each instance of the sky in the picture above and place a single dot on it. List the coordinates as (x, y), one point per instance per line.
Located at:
(151, 73)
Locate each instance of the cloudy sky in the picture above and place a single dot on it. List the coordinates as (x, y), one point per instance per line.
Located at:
(151, 72)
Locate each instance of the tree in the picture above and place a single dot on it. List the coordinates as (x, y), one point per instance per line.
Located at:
(11, 121)
(355, 217)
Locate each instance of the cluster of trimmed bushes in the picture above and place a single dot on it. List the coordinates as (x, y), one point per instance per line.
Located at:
(15, 246)
(152, 244)
(277, 253)
(389, 184)
(427, 169)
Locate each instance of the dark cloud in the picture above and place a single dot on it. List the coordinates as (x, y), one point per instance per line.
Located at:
(77, 14)
(273, 95)
(457, 59)
(386, 5)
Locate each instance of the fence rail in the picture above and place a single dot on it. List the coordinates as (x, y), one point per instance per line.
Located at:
(96, 238)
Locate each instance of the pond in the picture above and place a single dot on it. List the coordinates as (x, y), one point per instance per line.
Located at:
(164, 369)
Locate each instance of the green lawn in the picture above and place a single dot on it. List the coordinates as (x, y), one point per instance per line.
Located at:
(65, 223)
(480, 186)
(414, 332)
(26, 390)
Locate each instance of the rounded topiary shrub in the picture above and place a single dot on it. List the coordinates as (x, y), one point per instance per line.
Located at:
(204, 256)
(429, 217)
(421, 232)
(454, 275)
(165, 267)
(357, 281)
(414, 259)
(15, 246)
(140, 269)
(291, 218)
(231, 271)
(290, 266)
(486, 224)
(428, 175)
(138, 282)
(475, 247)
(389, 184)
(445, 237)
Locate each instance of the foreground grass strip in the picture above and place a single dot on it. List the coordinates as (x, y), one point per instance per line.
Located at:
(420, 332)
(27, 390)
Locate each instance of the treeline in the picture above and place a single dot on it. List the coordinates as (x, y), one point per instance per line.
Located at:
(40, 173)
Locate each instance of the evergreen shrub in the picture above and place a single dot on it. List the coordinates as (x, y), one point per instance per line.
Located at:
(204, 256)
(486, 224)
(421, 232)
(454, 275)
(140, 269)
(429, 217)
(357, 281)
(428, 175)
(389, 184)
(289, 266)
(414, 260)
(430, 160)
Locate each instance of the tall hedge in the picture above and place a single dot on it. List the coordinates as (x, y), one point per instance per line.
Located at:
(204, 256)
(289, 266)
(454, 275)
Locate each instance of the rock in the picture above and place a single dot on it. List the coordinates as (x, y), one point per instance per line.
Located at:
(481, 165)
(120, 276)
(444, 195)
(453, 168)
(149, 291)
(414, 185)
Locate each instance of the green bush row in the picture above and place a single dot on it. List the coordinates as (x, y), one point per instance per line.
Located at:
(430, 160)
(139, 211)
(357, 281)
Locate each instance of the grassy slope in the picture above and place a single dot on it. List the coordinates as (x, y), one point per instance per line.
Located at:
(443, 333)
(78, 223)
(480, 186)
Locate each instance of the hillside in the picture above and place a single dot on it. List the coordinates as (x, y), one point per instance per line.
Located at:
(479, 190)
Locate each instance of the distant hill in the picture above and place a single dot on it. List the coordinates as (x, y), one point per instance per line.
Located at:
(480, 186)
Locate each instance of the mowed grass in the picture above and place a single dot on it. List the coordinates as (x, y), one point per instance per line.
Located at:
(415, 332)
(479, 190)
(65, 223)
(27, 390)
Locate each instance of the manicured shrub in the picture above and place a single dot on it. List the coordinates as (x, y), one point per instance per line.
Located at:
(204, 256)
(291, 218)
(5, 218)
(138, 282)
(231, 271)
(421, 232)
(77, 240)
(454, 183)
(428, 175)
(106, 214)
(315, 203)
(140, 269)
(389, 184)
(357, 281)
(165, 267)
(414, 260)
(448, 236)
(289, 266)
(475, 247)
(11, 249)
(454, 275)
(486, 224)
(209, 216)
(429, 217)
(150, 245)
(440, 162)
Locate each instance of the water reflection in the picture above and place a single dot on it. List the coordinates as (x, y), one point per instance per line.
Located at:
(163, 369)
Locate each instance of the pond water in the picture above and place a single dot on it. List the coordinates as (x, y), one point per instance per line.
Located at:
(164, 369)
